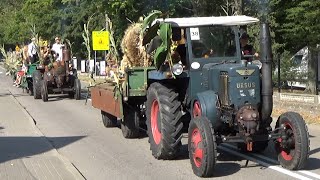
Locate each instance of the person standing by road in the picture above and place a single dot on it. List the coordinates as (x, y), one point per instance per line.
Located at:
(32, 51)
(57, 48)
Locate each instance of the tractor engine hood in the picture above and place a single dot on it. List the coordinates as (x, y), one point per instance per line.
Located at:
(236, 84)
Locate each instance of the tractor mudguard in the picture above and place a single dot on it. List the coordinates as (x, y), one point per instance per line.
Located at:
(209, 106)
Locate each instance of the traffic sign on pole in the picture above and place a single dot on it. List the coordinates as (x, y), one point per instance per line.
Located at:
(100, 40)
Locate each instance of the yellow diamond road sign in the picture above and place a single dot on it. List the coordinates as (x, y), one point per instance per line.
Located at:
(100, 40)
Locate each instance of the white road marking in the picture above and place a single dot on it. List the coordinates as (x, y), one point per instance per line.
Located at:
(276, 168)
(311, 174)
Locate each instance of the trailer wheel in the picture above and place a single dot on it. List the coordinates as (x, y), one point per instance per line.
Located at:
(163, 121)
(29, 88)
(108, 120)
(202, 146)
(293, 146)
(36, 81)
(77, 87)
(130, 123)
(44, 91)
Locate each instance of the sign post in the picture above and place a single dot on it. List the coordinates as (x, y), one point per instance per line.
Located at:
(100, 42)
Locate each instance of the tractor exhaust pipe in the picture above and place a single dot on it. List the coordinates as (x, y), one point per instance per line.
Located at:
(266, 70)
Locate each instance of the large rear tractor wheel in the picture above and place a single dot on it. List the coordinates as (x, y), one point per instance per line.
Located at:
(130, 122)
(293, 146)
(202, 146)
(44, 91)
(36, 81)
(163, 121)
(108, 120)
(77, 87)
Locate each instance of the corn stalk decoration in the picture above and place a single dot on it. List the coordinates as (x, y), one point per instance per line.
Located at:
(86, 37)
(164, 30)
(12, 62)
(112, 53)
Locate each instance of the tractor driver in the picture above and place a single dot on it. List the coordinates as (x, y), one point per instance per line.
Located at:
(246, 48)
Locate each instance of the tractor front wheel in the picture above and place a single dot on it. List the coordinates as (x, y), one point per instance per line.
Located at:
(202, 146)
(293, 145)
(163, 121)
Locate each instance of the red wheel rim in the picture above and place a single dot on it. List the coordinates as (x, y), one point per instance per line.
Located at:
(197, 152)
(154, 122)
(197, 109)
(285, 153)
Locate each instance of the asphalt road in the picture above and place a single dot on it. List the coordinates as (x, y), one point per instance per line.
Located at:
(76, 131)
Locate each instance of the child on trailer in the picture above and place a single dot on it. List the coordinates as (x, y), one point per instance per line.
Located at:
(20, 74)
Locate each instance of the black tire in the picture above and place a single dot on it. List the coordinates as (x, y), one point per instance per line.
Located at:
(30, 87)
(294, 155)
(202, 156)
(44, 91)
(130, 123)
(36, 81)
(164, 124)
(108, 120)
(77, 88)
(71, 94)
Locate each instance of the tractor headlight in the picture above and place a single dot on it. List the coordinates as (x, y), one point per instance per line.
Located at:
(177, 69)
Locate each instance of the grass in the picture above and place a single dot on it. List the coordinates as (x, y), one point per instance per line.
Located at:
(309, 112)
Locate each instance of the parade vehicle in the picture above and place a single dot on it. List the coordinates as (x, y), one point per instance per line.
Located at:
(57, 77)
(28, 79)
(228, 99)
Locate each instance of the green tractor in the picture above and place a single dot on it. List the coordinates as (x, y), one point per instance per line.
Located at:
(228, 99)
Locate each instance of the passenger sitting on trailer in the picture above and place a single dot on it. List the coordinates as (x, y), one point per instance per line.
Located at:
(19, 75)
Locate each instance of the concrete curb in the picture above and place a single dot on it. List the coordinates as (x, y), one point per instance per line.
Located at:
(73, 170)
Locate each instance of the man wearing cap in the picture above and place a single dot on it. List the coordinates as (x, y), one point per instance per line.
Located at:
(57, 48)
(246, 48)
(32, 51)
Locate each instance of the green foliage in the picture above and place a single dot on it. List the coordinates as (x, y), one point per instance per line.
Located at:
(163, 52)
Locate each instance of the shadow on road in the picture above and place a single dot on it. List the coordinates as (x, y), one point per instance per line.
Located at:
(313, 164)
(14, 147)
(4, 94)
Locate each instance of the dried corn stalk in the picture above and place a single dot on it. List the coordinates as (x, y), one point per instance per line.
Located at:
(131, 45)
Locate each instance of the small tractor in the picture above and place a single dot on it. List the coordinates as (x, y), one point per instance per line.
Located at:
(56, 77)
(228, 99)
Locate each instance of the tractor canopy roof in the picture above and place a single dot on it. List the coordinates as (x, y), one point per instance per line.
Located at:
(207, 21)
